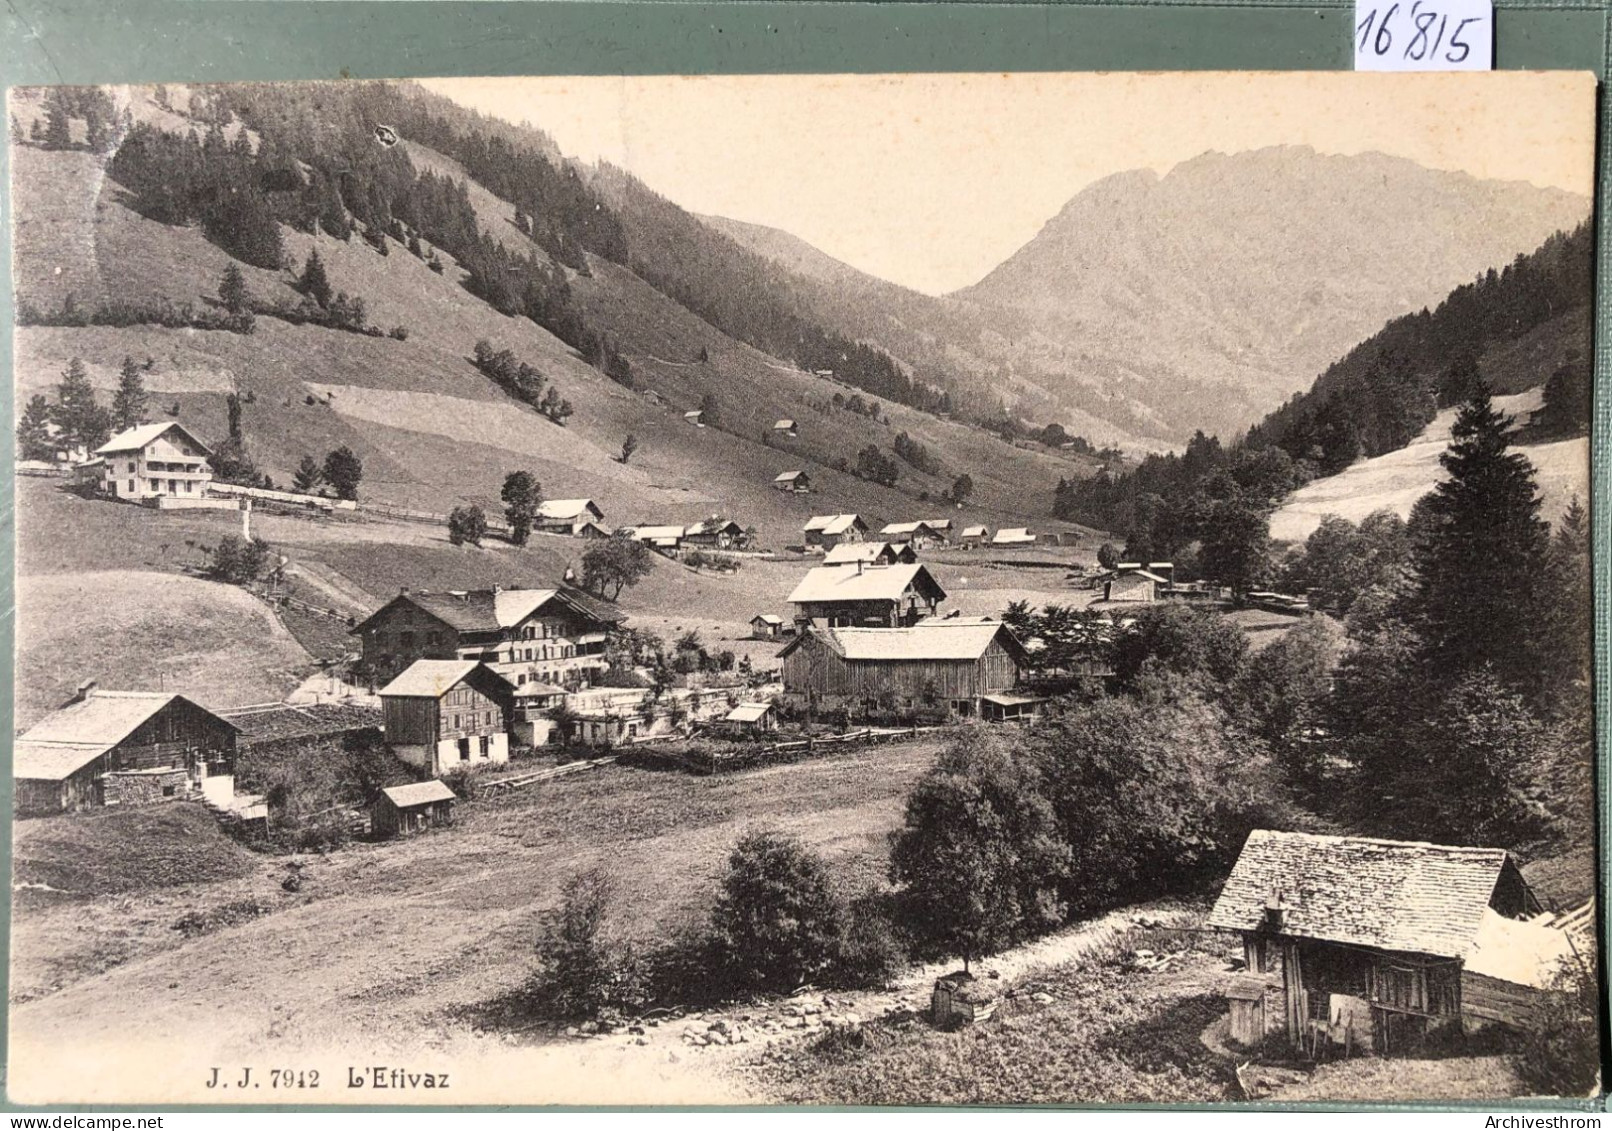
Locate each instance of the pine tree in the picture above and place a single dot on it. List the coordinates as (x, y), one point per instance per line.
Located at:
(309, 475)
(344, 471)
(314, 282)
(1479, 554)
(129, 403)
(232, 289)
(81, 418)
(34, 440)
(58, 130)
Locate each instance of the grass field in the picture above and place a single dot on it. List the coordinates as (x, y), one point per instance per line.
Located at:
(1396, 480)
(408, 935)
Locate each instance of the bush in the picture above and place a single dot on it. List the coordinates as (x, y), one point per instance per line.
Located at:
(462, 780)
(401, 333)
(583, 970)
(777, 923)
(1560, 1056)
(238, 562)
(467, 524)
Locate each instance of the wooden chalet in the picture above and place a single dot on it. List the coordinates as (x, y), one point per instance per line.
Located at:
(797, 481)
(1013, 536)
(766, 626)
(715, 534)
(119, 747)
(917, 534)
(406, 809)
(1370, 944)
(443, 714)
(866, 596)
(546, 635)
(828, 530)
(666, 538)
(870, 553)
(580, 518)
(1131, 582)
(973, 537)
(155, 461)
(955, 663)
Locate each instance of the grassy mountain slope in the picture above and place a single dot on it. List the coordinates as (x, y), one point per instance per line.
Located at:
(433, 431)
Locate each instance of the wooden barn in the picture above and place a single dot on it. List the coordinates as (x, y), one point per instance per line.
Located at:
(826, 531)
(750, 718)
(866, 596)
(407, 809)
(870, 553)
(797, 481)
(442, 714)
(955, 663)
(1013, 536)
(917, 534)
(119, 747)
(1133, 583)
(715, 534)
(1371, 944)
(785, 428)
(576, 517)
(766, 626)
(974, 537)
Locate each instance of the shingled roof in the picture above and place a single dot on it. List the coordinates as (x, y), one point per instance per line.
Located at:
(1392, 895)
(871, 583)
(490, 610)
(69, 739)
(959, 639)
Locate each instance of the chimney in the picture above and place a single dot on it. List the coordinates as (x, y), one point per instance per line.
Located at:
(402, 590)
(85, 690)
(1275, 915)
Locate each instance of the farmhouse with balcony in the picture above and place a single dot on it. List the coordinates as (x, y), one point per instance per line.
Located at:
(870, 553)
(916, 534)
(864, 596)
(119, 747)
(1371, 944)
(442, 714)
(579, 518)
(525, 635)
(828, 530)
(797, 481)
(155, 461)
(955, 663)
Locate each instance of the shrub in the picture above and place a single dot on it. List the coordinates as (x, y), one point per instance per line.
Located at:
(467, 524)
(238, 562)
(583, 970)
(401, 333)
(462, 780)
(1560, 1056)
(777, 923)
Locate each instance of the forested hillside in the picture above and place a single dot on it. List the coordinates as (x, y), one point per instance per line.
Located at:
(1521, 327)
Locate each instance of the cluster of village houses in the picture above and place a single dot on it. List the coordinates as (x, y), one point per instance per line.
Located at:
(1348, 943)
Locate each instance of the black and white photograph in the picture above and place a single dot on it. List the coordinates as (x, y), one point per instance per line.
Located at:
(863, 590)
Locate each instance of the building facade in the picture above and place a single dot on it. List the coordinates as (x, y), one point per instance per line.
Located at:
(441, 715)
(866, 596)
(545, 635)
(155, 461)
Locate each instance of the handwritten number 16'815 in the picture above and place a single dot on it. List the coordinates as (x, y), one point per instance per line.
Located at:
(1376, 36)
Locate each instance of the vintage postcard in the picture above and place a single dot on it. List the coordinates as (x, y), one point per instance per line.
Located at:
(859, 590)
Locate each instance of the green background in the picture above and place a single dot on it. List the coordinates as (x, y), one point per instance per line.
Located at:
(128, 41)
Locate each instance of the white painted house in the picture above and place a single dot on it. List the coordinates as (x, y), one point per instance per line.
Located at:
(156, 460)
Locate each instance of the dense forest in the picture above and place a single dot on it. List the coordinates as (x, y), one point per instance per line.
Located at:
(1375, 400)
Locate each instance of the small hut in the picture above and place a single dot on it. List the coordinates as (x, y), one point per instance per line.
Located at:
(766, 626)
(406, 809)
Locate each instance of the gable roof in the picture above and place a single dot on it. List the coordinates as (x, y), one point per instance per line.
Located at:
(937, 524)
(714, 526)
(789, 476)
(782, 424)
(1011, 534)
(748, 713)
(568, 508)
(906, 527)
(872, 583)
(974, 532)
(849, 553)
(419, 793)
(960, 639)
(834, 523)
(767, 618)
(277, 721)
(429, 679)
(1392, 895)
(68, 739)
(658, 533)
(486, 610)
(1139, 572)
(138, 437)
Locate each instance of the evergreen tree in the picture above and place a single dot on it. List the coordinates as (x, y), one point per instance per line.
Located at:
(1479, 555)
(129, 403)
(232, 289)
(34, 439)
(308, 476)
(628, 447)
(314, 282)
(58, 129)
(81, 418)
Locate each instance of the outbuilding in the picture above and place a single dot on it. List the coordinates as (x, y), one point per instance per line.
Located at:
(766, 626)
(404, 810)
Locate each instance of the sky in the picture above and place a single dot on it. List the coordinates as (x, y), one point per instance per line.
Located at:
(931, 181)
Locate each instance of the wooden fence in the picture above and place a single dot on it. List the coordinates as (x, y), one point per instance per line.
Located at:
(705, 760)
